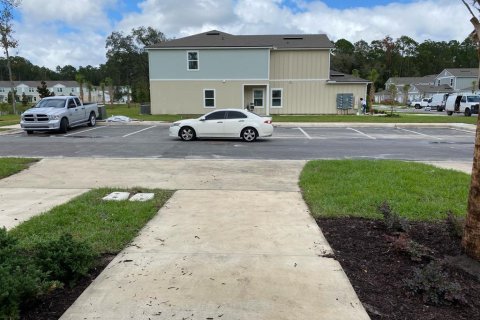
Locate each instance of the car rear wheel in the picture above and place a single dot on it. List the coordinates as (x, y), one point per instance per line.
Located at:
(186, 134)
(92, 120)
(249, 134)
(63, 125)
(468, 113)
(449, 113)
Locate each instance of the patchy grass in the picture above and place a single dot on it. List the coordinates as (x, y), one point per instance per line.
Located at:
(8, 120)
(133, 112)
(107, 226)
(336, 188)
(10, 166)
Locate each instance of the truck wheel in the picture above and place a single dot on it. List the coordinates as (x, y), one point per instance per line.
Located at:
(468, 113)
(417, 106)
(29, 131)
(92, 120)
(63, 125)
(449, 113)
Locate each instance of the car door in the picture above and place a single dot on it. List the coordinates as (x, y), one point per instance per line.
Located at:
(234, 123)
(211, 125)
(74, 113)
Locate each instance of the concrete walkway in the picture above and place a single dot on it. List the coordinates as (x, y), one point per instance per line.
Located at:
(235, 242)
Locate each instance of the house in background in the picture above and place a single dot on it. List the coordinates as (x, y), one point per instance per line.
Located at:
(465, 79)
(400, 82)
(278, 74)
(59, 88)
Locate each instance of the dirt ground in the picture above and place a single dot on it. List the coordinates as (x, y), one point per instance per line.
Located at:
(380, 264)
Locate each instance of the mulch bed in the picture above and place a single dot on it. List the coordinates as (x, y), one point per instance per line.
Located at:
(379, 263)
(55, 304)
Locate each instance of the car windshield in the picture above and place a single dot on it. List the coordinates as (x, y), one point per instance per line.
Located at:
(473, 98)
(51, 103)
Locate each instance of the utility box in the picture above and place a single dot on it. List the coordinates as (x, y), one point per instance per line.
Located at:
(102, 112)
(145, 108)
(344, 101)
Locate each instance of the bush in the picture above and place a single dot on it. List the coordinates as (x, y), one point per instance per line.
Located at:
(455, 225)
(434, 285)
(65, 259)
(21, 281)
(392, 220)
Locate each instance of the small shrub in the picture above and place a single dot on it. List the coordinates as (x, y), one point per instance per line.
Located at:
(65, 259)
(434, 285)
(455, 225)
(21, 281)
(415, 250)
(393, 221)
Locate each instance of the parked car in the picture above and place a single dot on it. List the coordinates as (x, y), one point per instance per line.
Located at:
(418, 104)
(224, 123)
(437, 101)
(462, 103)
(58, 113)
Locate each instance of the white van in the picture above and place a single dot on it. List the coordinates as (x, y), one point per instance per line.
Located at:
(466, 103)
(437, 101)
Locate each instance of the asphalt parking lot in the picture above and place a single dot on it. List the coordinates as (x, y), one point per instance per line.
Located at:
(292, 142)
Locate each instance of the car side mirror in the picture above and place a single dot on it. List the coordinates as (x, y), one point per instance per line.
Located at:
(202, 119)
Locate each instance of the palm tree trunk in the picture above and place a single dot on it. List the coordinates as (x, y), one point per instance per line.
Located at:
(12, 85)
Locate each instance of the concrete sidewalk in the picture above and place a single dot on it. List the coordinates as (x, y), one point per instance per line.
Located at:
(235, 242)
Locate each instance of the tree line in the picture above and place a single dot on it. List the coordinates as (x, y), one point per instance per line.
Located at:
(126, 65)
(402, 57)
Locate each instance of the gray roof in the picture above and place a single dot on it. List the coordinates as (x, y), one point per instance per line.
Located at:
(464, 72)
(412, 80)
(444, 88)
(31, 84)
(217, 39)
(342, 77)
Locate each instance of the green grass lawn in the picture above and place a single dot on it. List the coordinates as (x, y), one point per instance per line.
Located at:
(9, 166)
(10, 119)
(107, 226)
(356, 188)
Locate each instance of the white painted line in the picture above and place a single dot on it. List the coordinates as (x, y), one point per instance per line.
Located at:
(364, 134)
(421, 134)
(74, 133)
(306, 134)
(130, 134)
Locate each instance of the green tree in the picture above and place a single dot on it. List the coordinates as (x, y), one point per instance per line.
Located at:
(405, 90)
(80, 78)
(24, 99)
(90, 89)
(43, 90)
(6, 37)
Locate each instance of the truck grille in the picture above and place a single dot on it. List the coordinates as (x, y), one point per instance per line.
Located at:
(36, 118)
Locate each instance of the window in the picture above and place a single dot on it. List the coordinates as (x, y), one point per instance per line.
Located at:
(451, 82)
(258, 98)
(77, 101)
(31, 89)
(192, 60)
(277, 97)
(236, 115)
(209, 98)
(438, 83)
(216, 115)
(464, 99)
(59, 89)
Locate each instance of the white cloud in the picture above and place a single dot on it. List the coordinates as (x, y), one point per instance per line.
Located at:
(60, 32)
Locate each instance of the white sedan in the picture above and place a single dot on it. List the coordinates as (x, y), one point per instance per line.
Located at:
(225, 123)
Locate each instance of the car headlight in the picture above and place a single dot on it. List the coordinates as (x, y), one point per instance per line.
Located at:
(53, 117)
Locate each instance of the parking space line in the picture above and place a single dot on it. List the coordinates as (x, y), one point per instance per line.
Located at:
(421, 134)
(74, 133)
(364, 134)
(306, 134)
(132, 133)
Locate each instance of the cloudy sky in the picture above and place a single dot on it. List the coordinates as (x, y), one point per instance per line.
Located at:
(59, 32)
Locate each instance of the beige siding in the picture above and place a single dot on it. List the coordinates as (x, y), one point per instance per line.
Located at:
(186, 97)
(297, 64)
(313, 97)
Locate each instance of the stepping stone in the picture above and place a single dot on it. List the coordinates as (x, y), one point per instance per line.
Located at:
(142, 197)
(117, 196)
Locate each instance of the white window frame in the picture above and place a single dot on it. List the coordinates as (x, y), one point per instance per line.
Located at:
(198, 60)
(263, 97)
(281, 98)
(205, 98)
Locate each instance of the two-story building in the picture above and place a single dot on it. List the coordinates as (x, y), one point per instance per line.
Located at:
(278, 74)
(459, 79)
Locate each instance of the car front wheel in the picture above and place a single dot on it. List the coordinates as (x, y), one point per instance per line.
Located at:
(63, 125)
(249, 134)
(186, 134)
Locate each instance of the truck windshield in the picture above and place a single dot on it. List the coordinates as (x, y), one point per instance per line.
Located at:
(51, 103)
(473, 98)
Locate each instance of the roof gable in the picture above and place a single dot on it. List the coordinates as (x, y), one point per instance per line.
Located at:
(218, 39)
